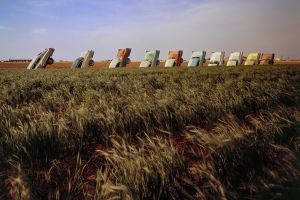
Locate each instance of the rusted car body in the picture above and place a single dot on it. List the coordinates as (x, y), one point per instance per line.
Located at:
(174, 58)
(122, 58)
(42, 59)
(267, 59)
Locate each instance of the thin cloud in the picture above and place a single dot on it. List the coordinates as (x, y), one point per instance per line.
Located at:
(3, 27)
(47, 3)
(39, 31)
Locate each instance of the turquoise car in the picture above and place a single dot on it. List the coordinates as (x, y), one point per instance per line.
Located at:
(197, 59)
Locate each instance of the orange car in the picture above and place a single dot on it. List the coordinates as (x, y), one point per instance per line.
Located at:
(174, 58)
(122, 58)
(267, 59)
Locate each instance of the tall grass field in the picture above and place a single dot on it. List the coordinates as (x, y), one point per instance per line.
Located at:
(157, 134)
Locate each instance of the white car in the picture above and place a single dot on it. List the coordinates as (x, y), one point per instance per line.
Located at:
(122, 58)
(42, 59)
(197, 59)
(151, 59)
(85, 60)
(235, 59)
(217, 59)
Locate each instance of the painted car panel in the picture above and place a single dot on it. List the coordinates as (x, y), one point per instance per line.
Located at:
(34, 61)
(235, 59)
(145, 64)
(217, 59)
(197, 59)
(122, 58)
(77, 63)
(87, 58)
(252, 59)
(42, 59)
(170, 63)
(194, 62)
(115, 63)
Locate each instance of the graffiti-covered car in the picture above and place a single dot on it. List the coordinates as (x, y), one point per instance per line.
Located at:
(122, 58)
(151, 59)
(235, 59)
(197, 59)
(267, 59)
(174, 58)
(252, 59)
(85, 60)
(42, 59)
(217, 59)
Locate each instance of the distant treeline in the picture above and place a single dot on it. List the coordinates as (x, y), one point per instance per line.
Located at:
(17, 60)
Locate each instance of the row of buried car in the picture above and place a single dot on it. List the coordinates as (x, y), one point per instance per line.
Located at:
(151, 59)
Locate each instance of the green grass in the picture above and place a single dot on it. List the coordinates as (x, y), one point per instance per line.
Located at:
(206, 133)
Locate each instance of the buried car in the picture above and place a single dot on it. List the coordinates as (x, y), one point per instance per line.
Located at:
(122, 58)
(42, 59)
(235, 59)
(151, 59)
(85, 60)
(217, 58)
(267, 59)
(174, 58)
(197, 59)
(252, 59)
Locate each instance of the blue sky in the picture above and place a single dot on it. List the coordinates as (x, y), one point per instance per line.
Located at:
(73, 26)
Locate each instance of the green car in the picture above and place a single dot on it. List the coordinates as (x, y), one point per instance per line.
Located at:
(197, 59)
(151, 59)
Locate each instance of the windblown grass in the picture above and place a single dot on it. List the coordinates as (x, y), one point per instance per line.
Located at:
(220, 133)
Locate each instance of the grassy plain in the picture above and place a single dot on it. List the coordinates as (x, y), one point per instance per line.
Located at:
(203, 133)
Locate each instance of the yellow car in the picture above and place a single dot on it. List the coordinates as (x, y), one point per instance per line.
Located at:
(252, 59)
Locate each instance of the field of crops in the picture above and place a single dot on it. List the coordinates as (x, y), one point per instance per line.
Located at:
(133, 134)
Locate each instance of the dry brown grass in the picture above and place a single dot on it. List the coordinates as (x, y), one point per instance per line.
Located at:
(105, 64)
